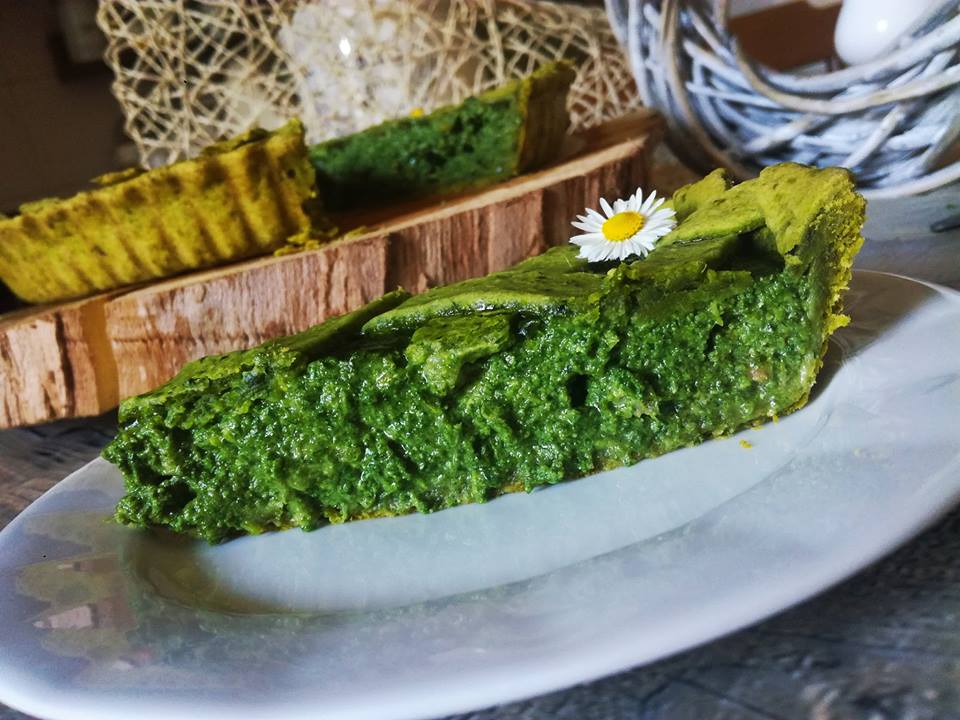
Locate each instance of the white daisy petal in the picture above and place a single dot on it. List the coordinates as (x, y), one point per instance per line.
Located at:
(606, 208)
(587, 238)
(588, 253)
(591, 250)
(657, 222)
(647, 207)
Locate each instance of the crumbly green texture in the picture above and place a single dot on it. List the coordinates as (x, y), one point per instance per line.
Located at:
(548, 371)
(496, 135)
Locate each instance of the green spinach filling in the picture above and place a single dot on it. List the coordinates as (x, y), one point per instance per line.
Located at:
(485, 139)
(545, 372)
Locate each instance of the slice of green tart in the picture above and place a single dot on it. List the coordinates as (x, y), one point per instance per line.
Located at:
(240, 198)
(548, 371)
(501, 133)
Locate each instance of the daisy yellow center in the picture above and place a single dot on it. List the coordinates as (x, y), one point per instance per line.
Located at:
(623, 226)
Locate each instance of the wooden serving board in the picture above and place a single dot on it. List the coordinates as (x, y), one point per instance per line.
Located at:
(81, 358)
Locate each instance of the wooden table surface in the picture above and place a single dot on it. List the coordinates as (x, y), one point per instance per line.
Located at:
(884, 645)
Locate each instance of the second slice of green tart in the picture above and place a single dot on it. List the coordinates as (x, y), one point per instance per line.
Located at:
(548, 371)
(496, 135)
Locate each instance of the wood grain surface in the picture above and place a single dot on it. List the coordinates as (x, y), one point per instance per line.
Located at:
(79, 359)
(154, 331)
(55, 362)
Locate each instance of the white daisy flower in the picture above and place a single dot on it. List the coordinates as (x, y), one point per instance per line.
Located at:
(631, 227)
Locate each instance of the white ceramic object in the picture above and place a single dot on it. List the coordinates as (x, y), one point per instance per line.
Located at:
(867, 29)
(422, 616)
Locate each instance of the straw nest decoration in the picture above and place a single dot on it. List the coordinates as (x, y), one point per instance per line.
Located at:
(190, 72)
(890, 120)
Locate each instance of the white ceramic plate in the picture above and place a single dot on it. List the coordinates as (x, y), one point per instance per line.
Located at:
(426, 615)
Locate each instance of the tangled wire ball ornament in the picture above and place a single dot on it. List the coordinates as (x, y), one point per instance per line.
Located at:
(890, 120)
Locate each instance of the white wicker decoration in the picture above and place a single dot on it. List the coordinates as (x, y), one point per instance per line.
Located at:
(889, 120)
(189, 72)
